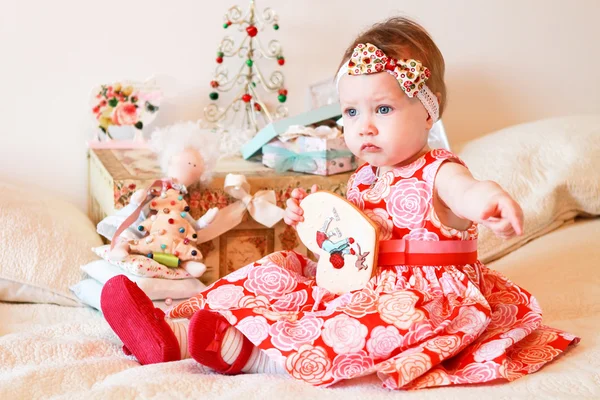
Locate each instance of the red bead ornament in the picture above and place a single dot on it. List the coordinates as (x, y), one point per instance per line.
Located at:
(283, 92)
(257, 107)
(251, 30)
(173, 203)
(171, 221)
(153, 204)
(281, 61)
(219, 60)
(246, 98)
(214, 84)
(186, 241)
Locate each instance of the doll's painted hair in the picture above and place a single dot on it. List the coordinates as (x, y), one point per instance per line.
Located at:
(176, 138)
(400, 37)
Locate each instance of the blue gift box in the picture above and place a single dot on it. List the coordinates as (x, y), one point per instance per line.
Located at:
(276, 128)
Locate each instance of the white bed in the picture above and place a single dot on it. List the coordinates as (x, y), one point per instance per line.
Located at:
(55, 351)
(49, 351)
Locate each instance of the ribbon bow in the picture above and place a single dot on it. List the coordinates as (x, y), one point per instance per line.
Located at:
(368, 59)
(304, 162)
(262, 206)
(215, 344)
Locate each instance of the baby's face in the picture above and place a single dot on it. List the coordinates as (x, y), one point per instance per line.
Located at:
(382, 125)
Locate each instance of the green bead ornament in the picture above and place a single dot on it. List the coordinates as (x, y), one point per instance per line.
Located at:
(282, 98)
(276, 27)
(220, 54)
(249, 62)
(213, 95)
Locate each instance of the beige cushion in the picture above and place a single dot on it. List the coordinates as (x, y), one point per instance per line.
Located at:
(551, 167)
(44, 241)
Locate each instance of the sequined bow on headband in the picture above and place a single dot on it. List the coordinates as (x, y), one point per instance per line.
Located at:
(410, 74)
(368, 59)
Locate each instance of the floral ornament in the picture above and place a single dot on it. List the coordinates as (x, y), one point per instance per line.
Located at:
(125, 104)
(411, 74)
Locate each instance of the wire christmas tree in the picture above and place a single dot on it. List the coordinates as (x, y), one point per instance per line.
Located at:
(246, 103)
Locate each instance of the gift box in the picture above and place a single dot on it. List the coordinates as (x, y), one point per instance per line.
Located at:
(307, 154)
(331, 112)
(115, 174)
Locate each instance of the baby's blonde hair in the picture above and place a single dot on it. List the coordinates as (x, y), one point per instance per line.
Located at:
(400, 37)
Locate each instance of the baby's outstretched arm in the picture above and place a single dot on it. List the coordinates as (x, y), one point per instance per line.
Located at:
(483, 202)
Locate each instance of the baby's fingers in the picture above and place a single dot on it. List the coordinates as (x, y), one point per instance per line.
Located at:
(513, 212)
(299, 194)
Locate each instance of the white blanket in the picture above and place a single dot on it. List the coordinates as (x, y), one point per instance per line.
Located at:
(49, 351)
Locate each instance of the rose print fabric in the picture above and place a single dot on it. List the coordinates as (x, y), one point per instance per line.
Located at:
(413, 326)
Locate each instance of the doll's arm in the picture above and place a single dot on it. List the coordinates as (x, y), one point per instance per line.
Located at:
(204, 220)
(207, 218)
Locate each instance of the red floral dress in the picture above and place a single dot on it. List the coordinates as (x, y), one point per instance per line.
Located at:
(414, 326)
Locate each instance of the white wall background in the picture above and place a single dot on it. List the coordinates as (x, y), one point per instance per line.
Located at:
(508, 62)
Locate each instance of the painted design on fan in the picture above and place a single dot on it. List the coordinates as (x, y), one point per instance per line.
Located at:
(337, 249)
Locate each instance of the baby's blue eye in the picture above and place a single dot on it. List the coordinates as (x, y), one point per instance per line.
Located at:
(384, 109)
(351, 112)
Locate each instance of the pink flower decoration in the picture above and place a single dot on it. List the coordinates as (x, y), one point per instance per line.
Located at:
(478, 373)
(383, 340)
(469, 320)
(354, 196)
(256, 329)
(364, 176)
(270, 280)
(224, 297)
(125, 114)
(291, 301)
(382, 219)
(444, 345)
(409, 202)
(350, 365)
(290, 335)
(310, 364)
(380, 190)
(504, 316)
(421, 234)
(345, 334)
(491, 350)
(398, 308)
(409, 170)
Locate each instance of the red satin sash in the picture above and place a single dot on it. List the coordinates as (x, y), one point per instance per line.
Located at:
(416, 252)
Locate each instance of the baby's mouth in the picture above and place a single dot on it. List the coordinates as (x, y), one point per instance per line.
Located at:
(369, 147)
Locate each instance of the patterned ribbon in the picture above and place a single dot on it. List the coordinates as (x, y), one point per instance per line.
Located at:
(420, 252)
(286, 159)
(262, 206)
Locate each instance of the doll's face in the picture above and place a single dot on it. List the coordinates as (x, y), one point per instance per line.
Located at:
(186, 167)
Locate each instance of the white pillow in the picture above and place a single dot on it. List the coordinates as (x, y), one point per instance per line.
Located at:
(137, 264)
(89, 290)
(155, 288)
(551, 168)
(43, 241)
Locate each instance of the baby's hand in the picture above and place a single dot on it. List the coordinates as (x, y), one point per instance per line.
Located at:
(293, 212)
(503, 216)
